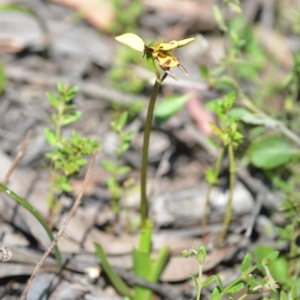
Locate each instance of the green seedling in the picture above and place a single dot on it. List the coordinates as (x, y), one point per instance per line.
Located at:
(2, 78)
(126, 15)
(67, 155)
(114, 167)
(230, 138)
(247, 281)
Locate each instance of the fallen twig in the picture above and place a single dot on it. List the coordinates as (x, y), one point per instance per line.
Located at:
(17, 158)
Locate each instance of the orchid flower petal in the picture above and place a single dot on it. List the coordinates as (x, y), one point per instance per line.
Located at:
(184, 42)
(132, 40)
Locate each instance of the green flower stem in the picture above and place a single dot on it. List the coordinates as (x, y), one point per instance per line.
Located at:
(52, 199)
(211, 185)
(199, 285)
(232, 171)
(144, 205)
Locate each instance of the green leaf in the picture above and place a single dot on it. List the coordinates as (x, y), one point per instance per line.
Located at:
(61, 87)
(201, 254)
(236, 288)
(53, 100)
(159, 263)
(278, 268)
(124, 147)
(169, 106)
(246, 262)
(239, 112)
(50, 136)
(216, 293)
(204, 71)
(142, 268)
(122, 120)
(123, 170)
(219, 18)
(228, 101)
(216, 130)
(194, 279)
(71, 93)
(147, 268)
(209, 280)
(108, 165)
(235, 7)
(72, 117)
(120, 286)
(283, 296)
(37, 215)
(113, 187)
(2, 78)
(272, 152)
(210, 176)
(66, 187)
(294, 293)
(270, 257)
(250, 118)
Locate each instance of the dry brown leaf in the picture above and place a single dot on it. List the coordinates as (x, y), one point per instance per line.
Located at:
(99, 13)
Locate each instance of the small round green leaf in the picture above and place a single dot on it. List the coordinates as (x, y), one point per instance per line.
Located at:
(236, 288)
(169, 106)
(272, 152)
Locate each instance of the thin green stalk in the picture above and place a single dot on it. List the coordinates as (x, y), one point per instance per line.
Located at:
(293, 249)
(199, 282)
(52, 198)
(144, 205)
(232, 171)
(211, 185)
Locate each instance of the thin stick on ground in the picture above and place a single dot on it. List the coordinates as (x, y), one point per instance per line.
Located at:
(62, 229)
(17, 157)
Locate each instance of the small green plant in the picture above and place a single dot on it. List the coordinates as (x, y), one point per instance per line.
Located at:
(114, 167)
(2, 78)
(230, 138)
(248, 281)
(67, 155)
(126, 15)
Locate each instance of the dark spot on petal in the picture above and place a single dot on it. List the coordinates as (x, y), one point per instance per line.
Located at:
(168, 61)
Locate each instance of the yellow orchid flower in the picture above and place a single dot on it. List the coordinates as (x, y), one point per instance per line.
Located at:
(160, 51)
